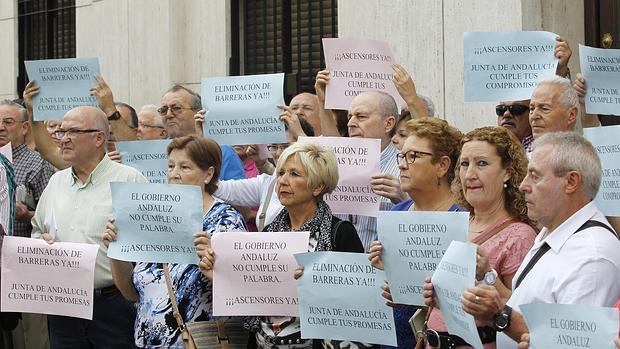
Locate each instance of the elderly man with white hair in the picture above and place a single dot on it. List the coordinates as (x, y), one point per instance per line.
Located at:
(150, 124)
(575, 257)
(554, 106)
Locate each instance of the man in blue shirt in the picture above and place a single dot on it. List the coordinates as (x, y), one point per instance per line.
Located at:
(178, 106)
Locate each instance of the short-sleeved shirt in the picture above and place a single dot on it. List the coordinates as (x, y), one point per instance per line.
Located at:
(155, 325)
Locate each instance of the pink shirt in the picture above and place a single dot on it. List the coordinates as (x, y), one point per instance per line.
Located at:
(506, 251)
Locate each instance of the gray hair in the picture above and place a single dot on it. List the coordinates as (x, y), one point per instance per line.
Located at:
(195, 103)
(572, 152)
(23, 113)
(568, 96)
(152, 108)
(430, 106)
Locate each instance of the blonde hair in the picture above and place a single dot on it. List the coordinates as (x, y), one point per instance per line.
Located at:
(319, 163)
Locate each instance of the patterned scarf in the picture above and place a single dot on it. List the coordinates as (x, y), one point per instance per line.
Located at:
(320, 228)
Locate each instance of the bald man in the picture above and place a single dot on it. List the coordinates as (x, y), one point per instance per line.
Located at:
(306, 106)
(78, 199)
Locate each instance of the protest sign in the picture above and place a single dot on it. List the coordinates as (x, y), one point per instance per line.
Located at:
(357, 65)
(148, 157)
(63, 85)
(56, 279)
(606, 141)
(243, 109)
(7, 151)
(506, 66)
(340, 298)
(253, 273)
(358, 160)
(456, 272)
(570, 325)
(601, 70)
(156, 222)
(413, 244)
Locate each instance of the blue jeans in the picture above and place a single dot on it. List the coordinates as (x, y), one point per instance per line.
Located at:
(112, 326)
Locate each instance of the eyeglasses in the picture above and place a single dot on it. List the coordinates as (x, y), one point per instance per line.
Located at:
(8, 121)
(515, 109)
(410, 157)
(141, 124)
(174, 109)
(275, 147)
(72, 132)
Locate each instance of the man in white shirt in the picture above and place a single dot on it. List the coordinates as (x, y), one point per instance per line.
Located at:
(581, 264)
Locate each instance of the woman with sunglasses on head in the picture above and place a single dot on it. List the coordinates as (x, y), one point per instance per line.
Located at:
(426, 161)
(491, 167)
(192, 160)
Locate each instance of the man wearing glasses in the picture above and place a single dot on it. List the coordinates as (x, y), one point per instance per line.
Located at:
(150, 124)
(77, 201)
(514, 116)
(31, 172)
(178, 106)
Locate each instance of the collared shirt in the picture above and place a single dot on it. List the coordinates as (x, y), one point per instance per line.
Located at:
(527, 143)
(581, 268)
(367, 226)
(80, 210)
(7, 195)
(33, 173)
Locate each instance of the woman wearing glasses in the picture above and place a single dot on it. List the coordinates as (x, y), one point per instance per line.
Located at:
(426, 161)
(491, 167)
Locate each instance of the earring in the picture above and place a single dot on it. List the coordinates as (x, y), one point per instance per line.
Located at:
(505, 185)
(438, 181)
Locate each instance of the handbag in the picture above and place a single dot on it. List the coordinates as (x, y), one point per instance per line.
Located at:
(228, 334)
(415, 321)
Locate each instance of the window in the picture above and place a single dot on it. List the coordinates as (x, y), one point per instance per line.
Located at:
(271, 36)
(46, 30)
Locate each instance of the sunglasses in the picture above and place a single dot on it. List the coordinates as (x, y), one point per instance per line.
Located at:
(515, 109)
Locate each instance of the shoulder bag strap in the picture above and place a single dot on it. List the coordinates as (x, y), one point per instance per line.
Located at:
(335, 228)
(480, 239)
(545, 248)
(173, 298)
(263, 212)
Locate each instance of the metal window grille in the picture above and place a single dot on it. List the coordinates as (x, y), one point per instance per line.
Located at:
(46, 30)
(283, 36)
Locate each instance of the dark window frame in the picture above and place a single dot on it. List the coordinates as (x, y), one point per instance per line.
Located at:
(46, 30)
(290, 41)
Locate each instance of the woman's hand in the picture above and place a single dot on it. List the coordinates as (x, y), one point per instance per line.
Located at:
(204, 251)
(387, 186)
(374, 255)
(428, 292)
(110, 233)
(321, 81)
(299, 271)
(482, 262)
(525, 341)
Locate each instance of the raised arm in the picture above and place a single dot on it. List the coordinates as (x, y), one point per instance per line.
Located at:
(43, 140)
(118, 126)
(329, 127)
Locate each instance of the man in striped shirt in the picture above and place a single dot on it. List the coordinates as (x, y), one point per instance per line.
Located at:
(373, 114)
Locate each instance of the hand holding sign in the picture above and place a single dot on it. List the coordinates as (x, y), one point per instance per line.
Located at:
(205, 254)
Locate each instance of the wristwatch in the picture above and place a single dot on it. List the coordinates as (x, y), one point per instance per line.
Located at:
(501, 320)
(490, 277)
(114, 116)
